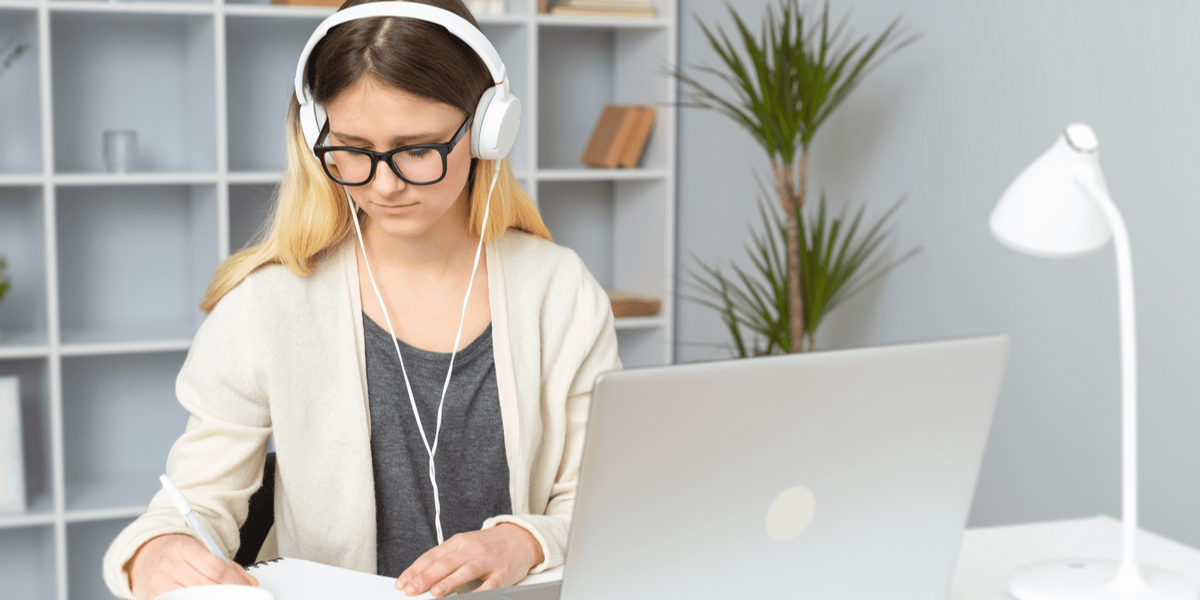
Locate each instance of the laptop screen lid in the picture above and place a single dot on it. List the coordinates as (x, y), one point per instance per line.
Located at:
(838, 474)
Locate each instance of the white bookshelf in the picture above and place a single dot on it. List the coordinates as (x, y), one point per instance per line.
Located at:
(108, 269)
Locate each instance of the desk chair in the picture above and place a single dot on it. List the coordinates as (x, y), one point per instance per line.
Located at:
(262, 515)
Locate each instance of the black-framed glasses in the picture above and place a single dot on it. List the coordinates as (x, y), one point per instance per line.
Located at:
(419, 164)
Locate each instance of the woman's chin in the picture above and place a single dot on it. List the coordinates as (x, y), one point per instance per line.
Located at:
(414, 221)
(402, 229)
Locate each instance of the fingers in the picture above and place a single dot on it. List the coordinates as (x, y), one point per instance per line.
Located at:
(494, 581)
(231, 574)
(173, 561)
(208, 566)
(418, 567)
(192, 578)
(246, 577)
(461, 576)
(422, 580)
(206, 569)
(499, 556)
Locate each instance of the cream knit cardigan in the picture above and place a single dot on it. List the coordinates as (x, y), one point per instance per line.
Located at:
(283, 354)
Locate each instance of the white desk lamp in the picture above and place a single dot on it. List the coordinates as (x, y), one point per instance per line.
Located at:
(1059, 207)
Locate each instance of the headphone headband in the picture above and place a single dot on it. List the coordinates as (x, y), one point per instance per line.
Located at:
(498, 114)
(456, 25)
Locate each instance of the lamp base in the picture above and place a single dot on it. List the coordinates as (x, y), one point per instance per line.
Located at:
(1093, 580)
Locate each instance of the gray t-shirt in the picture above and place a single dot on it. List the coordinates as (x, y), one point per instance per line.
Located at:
(472, 471)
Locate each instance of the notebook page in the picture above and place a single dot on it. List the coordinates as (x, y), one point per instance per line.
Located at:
(298, 579)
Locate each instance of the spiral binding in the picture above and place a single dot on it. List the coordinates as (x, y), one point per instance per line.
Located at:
(265, 562)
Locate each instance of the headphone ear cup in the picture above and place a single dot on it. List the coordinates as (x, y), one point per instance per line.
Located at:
(312, 119)
(494, 129)
(481, 110)
(308, 124)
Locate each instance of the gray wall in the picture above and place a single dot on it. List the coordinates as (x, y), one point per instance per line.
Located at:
(949, 122)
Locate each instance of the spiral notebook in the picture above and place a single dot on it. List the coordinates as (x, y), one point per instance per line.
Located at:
(298, 579)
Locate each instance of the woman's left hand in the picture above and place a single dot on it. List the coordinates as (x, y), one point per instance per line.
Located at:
(500, 556)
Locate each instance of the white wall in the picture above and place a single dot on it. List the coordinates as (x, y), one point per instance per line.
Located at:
(949, 122)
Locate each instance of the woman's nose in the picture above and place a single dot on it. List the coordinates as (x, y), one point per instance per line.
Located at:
(385, 181)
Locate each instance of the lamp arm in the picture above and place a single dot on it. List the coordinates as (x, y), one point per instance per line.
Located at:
(1129, 577)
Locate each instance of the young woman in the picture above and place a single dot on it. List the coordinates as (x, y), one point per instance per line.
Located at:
(317, 336)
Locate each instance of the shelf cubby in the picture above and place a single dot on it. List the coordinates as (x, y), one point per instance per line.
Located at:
(21, 149)
(607, 223)
(134, 261)
(249, 210)
(519, 8)
(567, 113)
(640, 265)
(638, 79)
(35, 437)
(580, 217)
(27, 558)
(120, 417)
(86, 544)
(642, 345)
(606, 65)
(260, 59)
(22, 243)
(150, 73)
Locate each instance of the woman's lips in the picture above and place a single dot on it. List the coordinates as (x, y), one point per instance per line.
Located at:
(395, 209)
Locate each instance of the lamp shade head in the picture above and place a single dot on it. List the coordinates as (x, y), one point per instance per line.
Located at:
(1045, 212)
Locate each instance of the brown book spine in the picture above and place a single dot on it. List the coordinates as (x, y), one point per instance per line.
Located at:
(607, 143)
(639, 134)
(626, 304)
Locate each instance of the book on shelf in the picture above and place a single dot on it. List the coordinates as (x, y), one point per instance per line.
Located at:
(620, 136)
(605, 8)
(642, 121)
(628, 304)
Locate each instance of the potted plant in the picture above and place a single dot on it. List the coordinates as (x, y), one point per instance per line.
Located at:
(785, 83)
(4, 283)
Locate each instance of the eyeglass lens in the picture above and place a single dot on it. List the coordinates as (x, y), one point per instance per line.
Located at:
(418, 165)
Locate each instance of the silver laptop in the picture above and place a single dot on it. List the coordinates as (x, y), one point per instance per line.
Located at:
(829, 475)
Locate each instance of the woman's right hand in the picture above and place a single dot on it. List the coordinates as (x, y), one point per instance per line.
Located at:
(172, 561)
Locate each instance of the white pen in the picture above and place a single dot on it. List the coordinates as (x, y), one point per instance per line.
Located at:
(190, 516)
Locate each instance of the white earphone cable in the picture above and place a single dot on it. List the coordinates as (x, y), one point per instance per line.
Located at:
(431, 450)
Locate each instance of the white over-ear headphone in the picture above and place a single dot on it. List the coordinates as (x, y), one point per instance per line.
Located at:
(498, 114)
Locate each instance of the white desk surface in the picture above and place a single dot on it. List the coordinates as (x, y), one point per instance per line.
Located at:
(989, 554)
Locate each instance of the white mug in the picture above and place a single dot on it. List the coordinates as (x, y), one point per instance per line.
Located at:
(217, 592)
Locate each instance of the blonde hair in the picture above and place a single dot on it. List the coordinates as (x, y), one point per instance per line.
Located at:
(311, 215)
